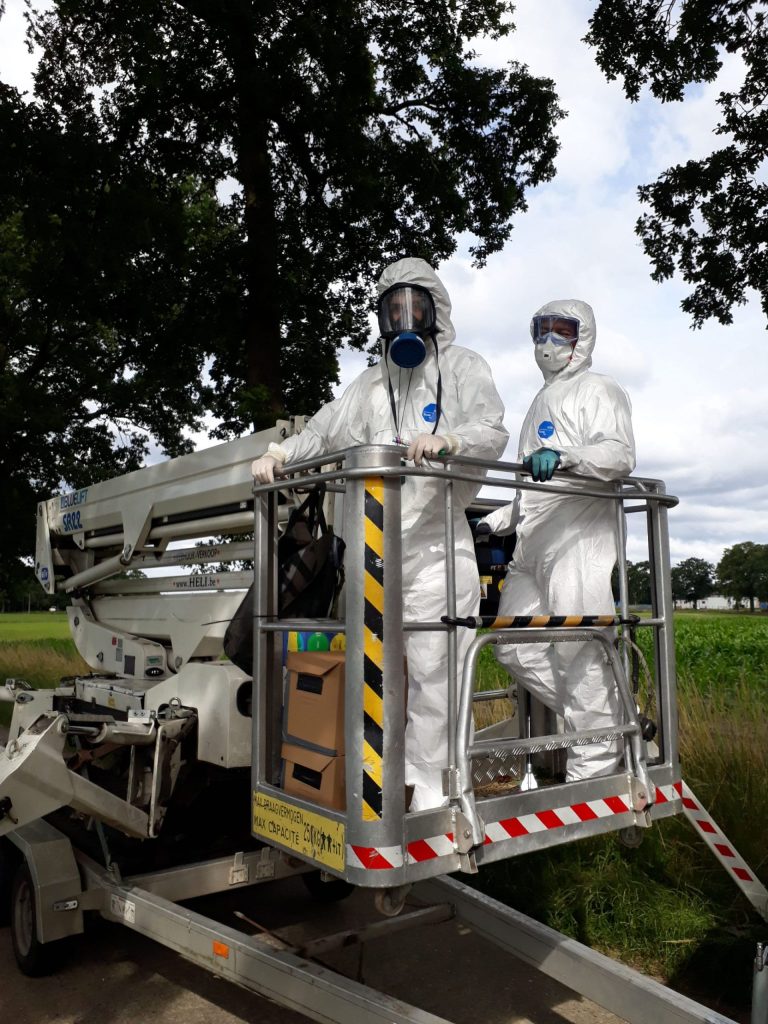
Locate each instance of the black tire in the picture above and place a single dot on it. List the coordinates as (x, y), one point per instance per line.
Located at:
(34, 958)
(332, 891)
(9, 859)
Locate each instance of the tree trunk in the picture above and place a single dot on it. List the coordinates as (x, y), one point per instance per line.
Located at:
(263, 340)
(262, 328)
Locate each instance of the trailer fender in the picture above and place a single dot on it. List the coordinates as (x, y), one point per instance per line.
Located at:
(56, 878)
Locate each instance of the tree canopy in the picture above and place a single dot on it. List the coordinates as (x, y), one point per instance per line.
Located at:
(692, 580)
(198, 197)
(638, 582)
(742, 572)
(351, 132)
(708, 218)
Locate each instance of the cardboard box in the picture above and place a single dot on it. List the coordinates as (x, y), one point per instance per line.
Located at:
(314, 713)
(314, 776)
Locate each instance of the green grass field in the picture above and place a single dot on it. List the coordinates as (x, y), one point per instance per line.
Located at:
(15, 626)
(666, 907)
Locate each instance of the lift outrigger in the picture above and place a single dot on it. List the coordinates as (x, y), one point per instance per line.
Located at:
(165, 738)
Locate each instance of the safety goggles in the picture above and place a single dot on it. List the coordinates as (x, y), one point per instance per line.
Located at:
(405, 307)
(561, 330)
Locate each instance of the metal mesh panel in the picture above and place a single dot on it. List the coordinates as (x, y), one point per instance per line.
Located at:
(500, 770)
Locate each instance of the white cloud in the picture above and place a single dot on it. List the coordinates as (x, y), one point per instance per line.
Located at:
(677, 132)
(17, 64)
(593, 136)
(700, 423)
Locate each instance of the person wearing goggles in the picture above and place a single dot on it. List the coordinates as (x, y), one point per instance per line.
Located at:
(560, 330)
(580, 421)
(434, 398)
(555, 338)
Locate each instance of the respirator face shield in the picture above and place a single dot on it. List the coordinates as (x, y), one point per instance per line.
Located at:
(560, 330)
(406, 315)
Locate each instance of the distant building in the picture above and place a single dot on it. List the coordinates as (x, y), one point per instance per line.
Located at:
(713, 603)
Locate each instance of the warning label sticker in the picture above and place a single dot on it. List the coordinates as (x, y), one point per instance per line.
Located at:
(312, 835)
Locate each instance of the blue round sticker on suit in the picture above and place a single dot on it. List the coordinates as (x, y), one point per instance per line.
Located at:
(546, 429)
(429, 412)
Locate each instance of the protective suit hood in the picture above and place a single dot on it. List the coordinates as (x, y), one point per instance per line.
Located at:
(453, 395)
(582, 353)
(416, 271)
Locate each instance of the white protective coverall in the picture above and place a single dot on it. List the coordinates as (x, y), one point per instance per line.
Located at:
(567, 546)
(471, 418)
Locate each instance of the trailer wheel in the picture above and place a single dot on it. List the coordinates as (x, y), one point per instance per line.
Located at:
(8, 864)
(330, 891)
(631, 836)
(33, 957)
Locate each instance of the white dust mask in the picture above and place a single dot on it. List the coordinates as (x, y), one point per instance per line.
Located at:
(552, 358)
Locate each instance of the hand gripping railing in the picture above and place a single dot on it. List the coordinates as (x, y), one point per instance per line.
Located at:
(561, 629)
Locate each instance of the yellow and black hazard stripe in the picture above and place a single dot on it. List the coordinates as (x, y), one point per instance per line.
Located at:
(373, 648)
(526, 621)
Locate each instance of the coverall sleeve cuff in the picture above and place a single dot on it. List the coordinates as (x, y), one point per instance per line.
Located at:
(277, 452)
(454, 444)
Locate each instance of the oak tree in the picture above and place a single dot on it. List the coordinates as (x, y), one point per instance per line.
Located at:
(742, 572)
(707, 219)
(347, 133)
(198, 196)
(692, 580)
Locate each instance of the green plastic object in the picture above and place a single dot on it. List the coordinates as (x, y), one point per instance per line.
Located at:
(318, 642)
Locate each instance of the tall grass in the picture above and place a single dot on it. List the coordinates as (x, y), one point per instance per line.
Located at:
(722, 676)
(724, 759)
(43, 663)
(669, 907)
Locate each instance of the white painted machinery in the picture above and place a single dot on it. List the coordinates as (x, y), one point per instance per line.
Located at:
(167, 771)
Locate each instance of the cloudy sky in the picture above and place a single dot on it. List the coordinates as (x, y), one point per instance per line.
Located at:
(699, 397)
(700, 414)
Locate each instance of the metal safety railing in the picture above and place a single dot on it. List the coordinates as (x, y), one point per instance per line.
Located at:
(355, 473)
(630, 732)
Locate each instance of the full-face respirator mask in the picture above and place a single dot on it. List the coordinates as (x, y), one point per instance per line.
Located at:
(406, 316)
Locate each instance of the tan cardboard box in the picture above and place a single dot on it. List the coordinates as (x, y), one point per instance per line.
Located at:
(315, 700)
(314, 776)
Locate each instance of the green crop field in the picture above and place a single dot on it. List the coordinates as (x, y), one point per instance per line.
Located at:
(715, 651)
(667, 907)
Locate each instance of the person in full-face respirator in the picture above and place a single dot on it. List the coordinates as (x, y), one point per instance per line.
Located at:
(434, 397)
(580, 421)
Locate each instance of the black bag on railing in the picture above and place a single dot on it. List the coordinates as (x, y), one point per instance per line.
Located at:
(310, 575)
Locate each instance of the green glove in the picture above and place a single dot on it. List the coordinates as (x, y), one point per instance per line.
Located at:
(542, 463)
